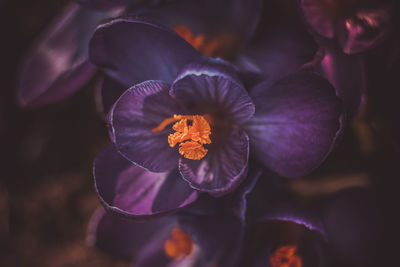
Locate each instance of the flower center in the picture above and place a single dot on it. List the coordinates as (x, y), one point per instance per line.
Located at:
(285, 257)
(206, 46)
(191, 137)
(179, 245)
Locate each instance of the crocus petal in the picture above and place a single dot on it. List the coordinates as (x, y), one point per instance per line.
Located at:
(58, 64)
(292, 211)
(222, 169)
(129, 190)
(207, 89)
(219, 237)
(139, 110)
(107, 92)
(296, 124)
(132, 51)
(357, 26)
(269, 190)
(347, 75)
(279, 50)
(365, 30)
(234, 204)
(125, 238)
(264, 238)
(229, 24)
(318, 14)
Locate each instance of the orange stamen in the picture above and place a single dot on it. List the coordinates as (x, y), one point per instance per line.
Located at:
(198, 134)
(180, 245)
(206, 46)
(192, 150)
(285, 257)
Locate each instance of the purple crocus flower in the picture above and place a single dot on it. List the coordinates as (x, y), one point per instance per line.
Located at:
(343, 229)
(283, 46)
(160, 242)
(175, 240)
(340, 229)
(57, 65)
(193, 114)
(356, 26)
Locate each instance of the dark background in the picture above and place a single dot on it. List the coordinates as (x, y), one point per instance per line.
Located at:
(46, 187)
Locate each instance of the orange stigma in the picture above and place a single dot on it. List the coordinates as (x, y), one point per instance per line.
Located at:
(206, 46)
(285, 257)
(191, 137)
(179, 246)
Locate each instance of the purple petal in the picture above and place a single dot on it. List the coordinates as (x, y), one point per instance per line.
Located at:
(139, 110)
(347, 75)
(132, 51)
(269, 190)
(234, 204)
(296, 125)
(219, 237)
(207, 89)
(57, 65)
(318, 13)
(279, 50)
(107, 93)
(356, 25)
(125, 238)
(365, 30)
(222, 169)
(231, 22)
(131, 191)
(292, 211)
(263, 239)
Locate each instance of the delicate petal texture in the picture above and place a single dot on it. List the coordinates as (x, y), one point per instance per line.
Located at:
(208, 89)
(296, 124)
(132, 191)
(58, 64)
(220, 234)
(292, 211)
(132, 51)
(107, 93)
(125, 238)
(227, 24)
(222, 169)
(278, 50)
(139, 110)
(347, 75)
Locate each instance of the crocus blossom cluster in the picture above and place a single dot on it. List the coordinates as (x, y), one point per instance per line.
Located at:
(210, 107)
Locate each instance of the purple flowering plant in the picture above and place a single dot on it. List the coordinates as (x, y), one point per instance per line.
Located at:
(281, 231)
(57, 65)
(192, 117)
(210, 106)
